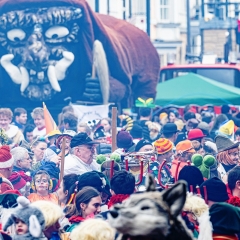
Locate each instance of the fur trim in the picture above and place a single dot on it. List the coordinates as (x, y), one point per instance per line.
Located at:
(5, 180)
(34, 226)
(7, 163)
(205, 227)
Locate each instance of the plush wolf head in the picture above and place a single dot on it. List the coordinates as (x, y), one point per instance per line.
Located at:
(152, 213)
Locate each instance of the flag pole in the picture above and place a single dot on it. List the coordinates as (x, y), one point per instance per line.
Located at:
(114, 129)
(62, 159)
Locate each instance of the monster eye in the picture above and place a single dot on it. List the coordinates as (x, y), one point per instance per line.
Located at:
(56, 32)
(16, 35)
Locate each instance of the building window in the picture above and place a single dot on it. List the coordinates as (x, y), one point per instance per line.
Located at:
(164, 10)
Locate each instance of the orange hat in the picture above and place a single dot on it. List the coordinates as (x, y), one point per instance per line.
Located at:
(185, 146)
(163, 145)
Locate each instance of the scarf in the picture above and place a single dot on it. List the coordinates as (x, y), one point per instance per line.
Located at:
(235, 201)
(76, 219)
(118, 198)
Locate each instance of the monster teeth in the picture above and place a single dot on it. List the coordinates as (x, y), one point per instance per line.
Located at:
(40, 75)
(32, 72)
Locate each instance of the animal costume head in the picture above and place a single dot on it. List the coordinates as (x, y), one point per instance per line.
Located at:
(46, 50)
(31, 216)
(152, 214)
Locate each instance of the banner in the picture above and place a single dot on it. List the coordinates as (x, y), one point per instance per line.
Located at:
(89, 113)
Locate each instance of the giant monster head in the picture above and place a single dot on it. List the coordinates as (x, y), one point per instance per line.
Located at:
(35, 41)
(46, 51)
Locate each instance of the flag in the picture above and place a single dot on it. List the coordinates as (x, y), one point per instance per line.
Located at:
(90, 113)
(51, 126)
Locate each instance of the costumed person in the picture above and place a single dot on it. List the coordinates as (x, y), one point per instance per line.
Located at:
(15, 135)
(94, 229)
(184, 152)
(152, 214)
(194, 208)
(225, 220)
(134, 163)
(193, 176)
(213, 191)
(228, 155)
(234, 186)
(54, 220)
(125, 143)
(154, 131)
(6, 165)
(122, 186)
(137, 133)
(99, 136)
(106, 123)
(38, 117)
(68, 134)
(97, 180)
(51, 161)
(164, 148)
(67, 189)
(222, 222)
(38, 147)
(52, 137)
(21, 182)
(87, 204)
(42, 185)
(82, 158)
(28, 220)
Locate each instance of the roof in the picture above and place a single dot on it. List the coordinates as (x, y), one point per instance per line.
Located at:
(185, 66)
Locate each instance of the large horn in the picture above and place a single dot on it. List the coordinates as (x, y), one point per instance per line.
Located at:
(101, 66)
(63, 64)
(25, 78)
(12, 70)
(53, 79)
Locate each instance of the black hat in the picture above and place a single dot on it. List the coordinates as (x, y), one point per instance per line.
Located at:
(225, 218)
(141, 144)
(81, 139)
(169, 128)
(99, 133)
(192, 175)
(136, 131)
(224, 143)
(216, 190)
(94, 179)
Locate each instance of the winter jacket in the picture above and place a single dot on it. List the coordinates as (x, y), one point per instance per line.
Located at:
(50, 168)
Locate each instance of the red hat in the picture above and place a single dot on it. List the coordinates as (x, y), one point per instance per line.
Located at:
(17, 181)
(6, 159)
(195, 134)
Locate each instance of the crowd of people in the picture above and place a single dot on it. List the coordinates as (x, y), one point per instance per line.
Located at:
(39, 201)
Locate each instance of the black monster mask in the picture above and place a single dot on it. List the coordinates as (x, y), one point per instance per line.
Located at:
(36, 43)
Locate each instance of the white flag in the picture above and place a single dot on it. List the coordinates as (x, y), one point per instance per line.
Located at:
(89, 113)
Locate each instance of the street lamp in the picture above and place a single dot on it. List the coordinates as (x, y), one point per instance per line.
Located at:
(148, 16)
(96, 5)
